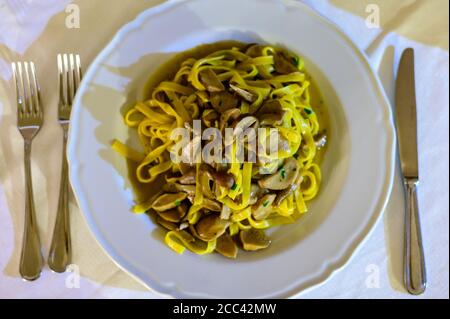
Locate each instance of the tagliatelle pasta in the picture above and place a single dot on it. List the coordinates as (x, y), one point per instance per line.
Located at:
(210, 205)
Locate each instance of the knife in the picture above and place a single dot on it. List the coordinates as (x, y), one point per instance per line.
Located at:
(405, 101)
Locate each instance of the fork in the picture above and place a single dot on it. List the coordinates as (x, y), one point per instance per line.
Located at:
(29, 122)
(69, 77)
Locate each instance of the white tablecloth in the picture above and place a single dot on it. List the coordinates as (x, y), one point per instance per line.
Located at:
(37, 30)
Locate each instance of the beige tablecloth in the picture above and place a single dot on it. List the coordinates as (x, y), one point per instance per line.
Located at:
(37, 30)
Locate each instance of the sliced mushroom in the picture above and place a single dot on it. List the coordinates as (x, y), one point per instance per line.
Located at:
(194, 231)
(185, 168)
(210, 80)
(246, 95)
(176, 187)
(254, 50)
(222, 178)
(288, 191)
(262, 209)
(253, 239)
(222, 101)
(166, 224)
(255, 193)
(243, 124)
(168, 201)
(284, 177)
(271, 119)
(226, 246)
(188, 178)
(269, 107)
(209, 117)
(212, 205)
(174, 215)
(320, 140)
(271, 113)
(211, 227)
(283, 64)
(228, 115)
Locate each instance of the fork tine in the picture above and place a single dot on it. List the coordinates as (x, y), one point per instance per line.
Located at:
(26, 86)
(76, 73)
(19, 94)
(72, 78)
(34, 90)
(67, 80)
(62, 100)
(78, 65)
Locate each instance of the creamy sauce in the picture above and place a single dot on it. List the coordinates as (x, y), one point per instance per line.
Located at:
(168, 70)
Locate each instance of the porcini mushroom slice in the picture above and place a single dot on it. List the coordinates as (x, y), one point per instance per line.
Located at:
(185, 168)
(246, 95)
(245, 123)
(211, 227)
(253, 239)
(168, 201)
(271, 113)
(255, 193)
(270, 107)
(284, 177)
(212, 205)
(176, 187)
(174, 215)
(226, 246)
(262, 209)
(188, 178)
(288, 191)
(271, 119)
(283, 64)
(209, 117)
(166, 224)
(254, 50)
(228, 115)
(210, 80)
(222, 101)
(222, 178)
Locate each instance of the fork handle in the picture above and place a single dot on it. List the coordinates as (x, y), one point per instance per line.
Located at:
(31, 260)
(414, 272)
(61, 248)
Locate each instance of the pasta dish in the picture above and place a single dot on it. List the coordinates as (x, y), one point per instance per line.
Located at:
(253, 104)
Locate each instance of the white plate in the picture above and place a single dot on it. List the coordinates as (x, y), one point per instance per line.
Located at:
(357, 170)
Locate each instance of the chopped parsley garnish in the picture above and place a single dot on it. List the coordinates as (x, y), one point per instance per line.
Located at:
(296, 61)
(308, 111)
(266, 203)
(283, 173)
(177, 203)
(234, 187)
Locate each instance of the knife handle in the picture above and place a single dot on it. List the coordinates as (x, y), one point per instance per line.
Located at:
(414, 273)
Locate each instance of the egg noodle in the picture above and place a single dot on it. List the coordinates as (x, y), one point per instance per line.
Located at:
(252, 76)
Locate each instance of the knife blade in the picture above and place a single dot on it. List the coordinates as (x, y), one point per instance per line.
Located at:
(405, 103)
(415, 277)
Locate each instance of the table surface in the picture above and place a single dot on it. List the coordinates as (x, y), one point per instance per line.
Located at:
(37, 31)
